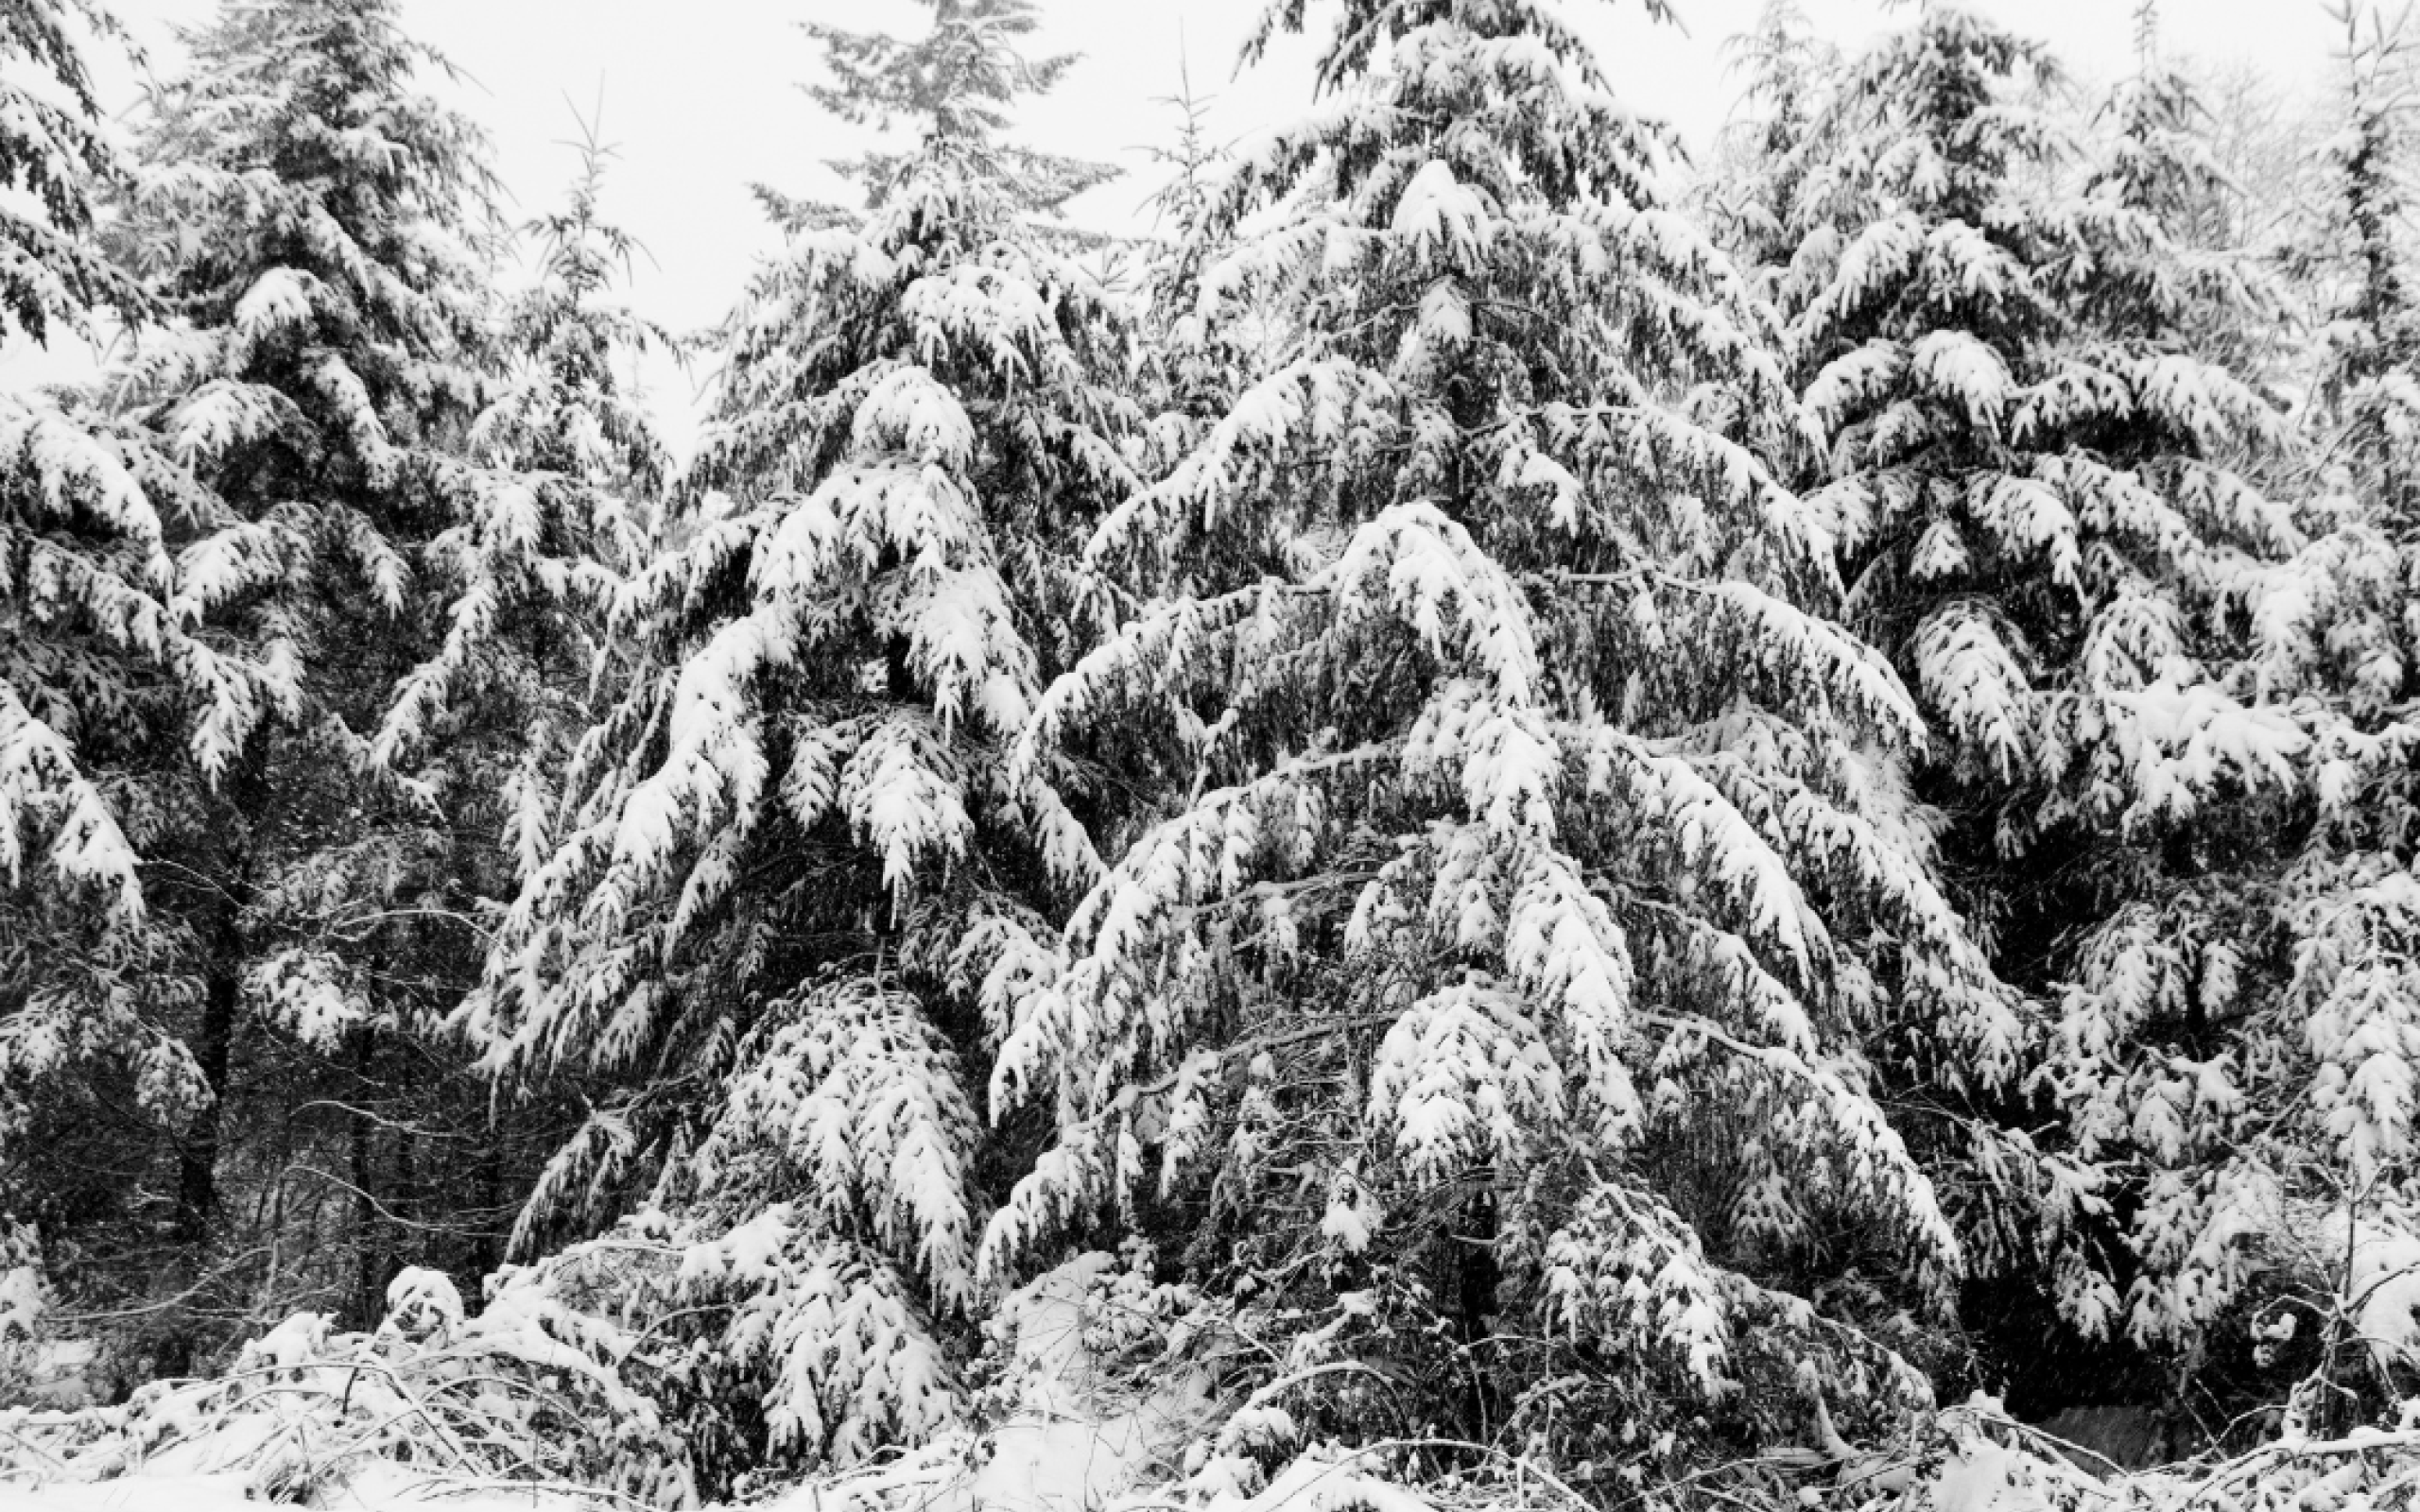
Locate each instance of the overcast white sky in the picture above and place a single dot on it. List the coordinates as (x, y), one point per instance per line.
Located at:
(699, 94)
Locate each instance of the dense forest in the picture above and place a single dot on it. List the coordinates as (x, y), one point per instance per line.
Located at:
(1514, 819)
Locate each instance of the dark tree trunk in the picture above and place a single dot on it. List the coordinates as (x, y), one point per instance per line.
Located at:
(1478, 1281)
(370, 1260)
(491, 1251)
(213, 1048)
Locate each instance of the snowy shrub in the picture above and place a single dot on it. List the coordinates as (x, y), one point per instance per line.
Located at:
(530, 1389)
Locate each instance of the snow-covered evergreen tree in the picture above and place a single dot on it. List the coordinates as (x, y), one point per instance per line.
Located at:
(2316, 1156)
(2034, 486)
(2367, 545)
(2058, 503)
(1494, 866)
(2155, 149)
(530, 577)
(740, 937)
(52, 160)
(106, 677)
(298, 419)
(85, 570)
(85, 561)
(1751, 189)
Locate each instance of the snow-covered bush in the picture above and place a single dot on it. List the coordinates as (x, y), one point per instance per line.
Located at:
(529, 1389)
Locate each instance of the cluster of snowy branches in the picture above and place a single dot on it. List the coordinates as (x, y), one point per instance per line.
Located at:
(1502, 821)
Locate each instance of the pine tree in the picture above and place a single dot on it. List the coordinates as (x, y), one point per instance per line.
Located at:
(531, 578)
(53, 158)
(740, 939)
(1495, 866)
(84, 562)
(2327, 1118)
(307, 223)
(2221, 1051)
(2055, 497)
(106, 674)
(2155, 152)
(1190, 370)
(1751, 188)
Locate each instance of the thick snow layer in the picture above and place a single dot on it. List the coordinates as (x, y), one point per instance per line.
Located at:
(1988, 1477)
(2385, 1290)
(379, 1489)
(150, 1493)
(1067, 1447)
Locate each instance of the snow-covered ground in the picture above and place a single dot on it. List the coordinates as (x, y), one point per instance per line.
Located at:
(163, 1493)
(375, 1490)
(1071, 1442)
(1072, 1432)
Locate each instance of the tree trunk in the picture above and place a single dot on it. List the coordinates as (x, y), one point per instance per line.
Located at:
(1478, 1281)
(212, 1048)
(367, 1260)
(212, 1045)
